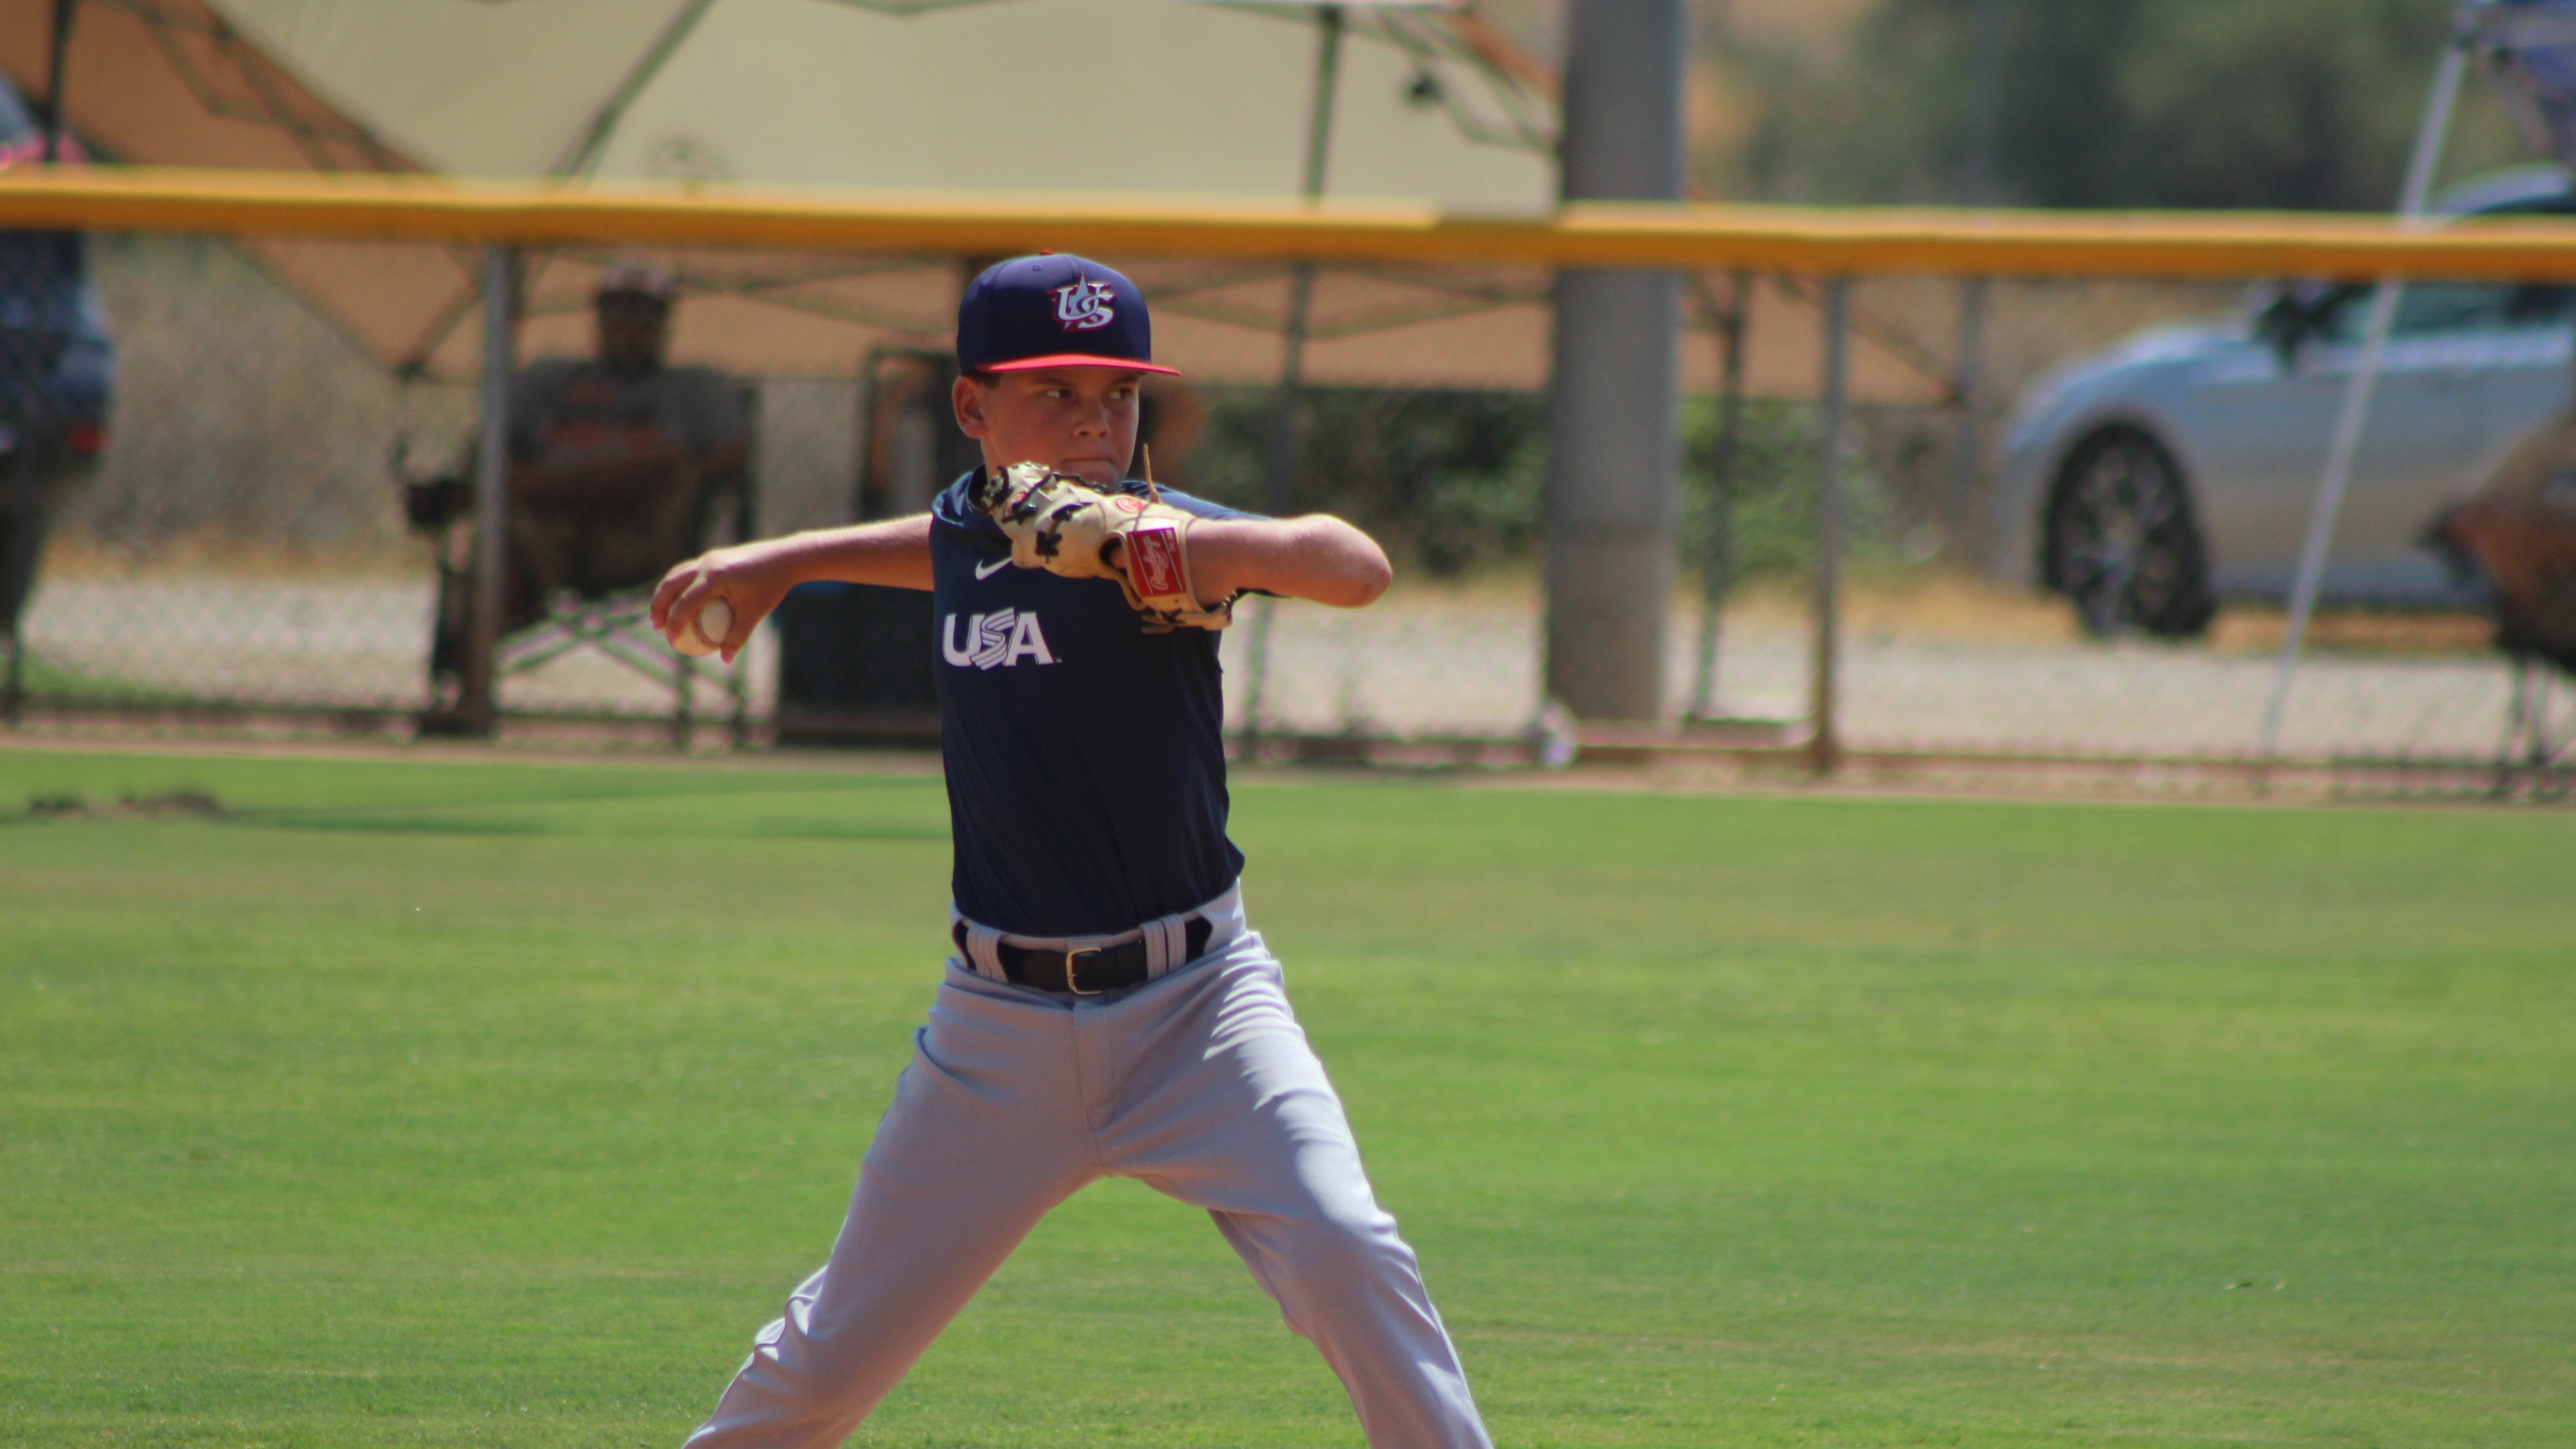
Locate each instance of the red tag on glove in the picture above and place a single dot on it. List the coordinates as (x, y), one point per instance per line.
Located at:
(1154, 560)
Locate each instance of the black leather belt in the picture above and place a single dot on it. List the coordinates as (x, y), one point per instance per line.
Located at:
(1084, 973)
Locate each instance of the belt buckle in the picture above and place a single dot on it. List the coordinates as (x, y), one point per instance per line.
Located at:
(1072, 982)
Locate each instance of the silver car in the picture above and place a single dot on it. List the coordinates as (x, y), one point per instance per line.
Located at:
(2178, 467)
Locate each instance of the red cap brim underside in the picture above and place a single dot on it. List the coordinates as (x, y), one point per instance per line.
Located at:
(1080, 359)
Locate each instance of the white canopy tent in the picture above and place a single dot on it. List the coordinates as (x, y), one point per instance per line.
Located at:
(1074, 96)
(1158, 97)
(1027, 95)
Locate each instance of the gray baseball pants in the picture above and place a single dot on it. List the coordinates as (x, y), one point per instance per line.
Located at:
(1199, 1084)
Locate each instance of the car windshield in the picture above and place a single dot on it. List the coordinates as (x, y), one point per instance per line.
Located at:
(2338, 313)
(2427, 307)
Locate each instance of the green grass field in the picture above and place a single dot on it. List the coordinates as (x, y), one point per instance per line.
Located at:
(413, 1103)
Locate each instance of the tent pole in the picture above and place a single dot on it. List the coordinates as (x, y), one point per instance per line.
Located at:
(2429, 137)
(1329, 23)
(1824, 745)
(1301, 298)
(55, 64)
(491, 489)
(594, 137)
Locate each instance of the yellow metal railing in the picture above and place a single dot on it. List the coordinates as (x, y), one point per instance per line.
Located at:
(1821, 241)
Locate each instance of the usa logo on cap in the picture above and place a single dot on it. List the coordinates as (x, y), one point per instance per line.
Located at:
(1084, 306)
(1053, 310)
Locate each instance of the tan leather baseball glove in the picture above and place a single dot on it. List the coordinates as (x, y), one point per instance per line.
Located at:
(1061, 524)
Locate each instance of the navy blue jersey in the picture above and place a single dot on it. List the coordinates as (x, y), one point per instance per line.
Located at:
(1085, 757)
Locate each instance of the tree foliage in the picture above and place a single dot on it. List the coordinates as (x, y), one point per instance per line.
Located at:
(2296, 104)
(1453, 481)
(1451, 478)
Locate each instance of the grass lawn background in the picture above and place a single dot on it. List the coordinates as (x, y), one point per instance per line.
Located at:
(432, 1103)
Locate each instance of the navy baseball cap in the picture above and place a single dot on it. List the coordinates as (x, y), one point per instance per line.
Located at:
(1053, 310)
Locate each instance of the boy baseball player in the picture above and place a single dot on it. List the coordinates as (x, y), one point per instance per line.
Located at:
(1108, 1011)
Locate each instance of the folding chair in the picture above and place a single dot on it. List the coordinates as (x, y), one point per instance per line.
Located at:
(615, 622)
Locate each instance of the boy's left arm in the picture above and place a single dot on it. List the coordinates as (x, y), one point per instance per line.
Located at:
(1317, 557)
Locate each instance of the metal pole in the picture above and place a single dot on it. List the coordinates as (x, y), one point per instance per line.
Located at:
(54, 67)
(1717, 561)
(1292, 367)
(477, 703)
(1292, 380)
(1824, 748)
(2429, 137)
(1614, 460)
(1967, 443)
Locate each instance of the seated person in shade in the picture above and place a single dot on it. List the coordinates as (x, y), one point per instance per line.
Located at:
(612, 457)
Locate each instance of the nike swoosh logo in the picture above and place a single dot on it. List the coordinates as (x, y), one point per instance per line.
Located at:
(987, 570)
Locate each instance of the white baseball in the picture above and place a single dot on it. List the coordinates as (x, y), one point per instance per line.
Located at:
(705, 633)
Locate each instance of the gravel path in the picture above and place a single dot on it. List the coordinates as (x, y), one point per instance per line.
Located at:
(1418, 664)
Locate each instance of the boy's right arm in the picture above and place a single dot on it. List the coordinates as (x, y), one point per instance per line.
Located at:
(752, 577)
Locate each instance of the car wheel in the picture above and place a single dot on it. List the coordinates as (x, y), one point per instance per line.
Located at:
(2120, 540)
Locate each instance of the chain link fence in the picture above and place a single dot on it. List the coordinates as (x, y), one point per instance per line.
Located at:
(221, 536)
